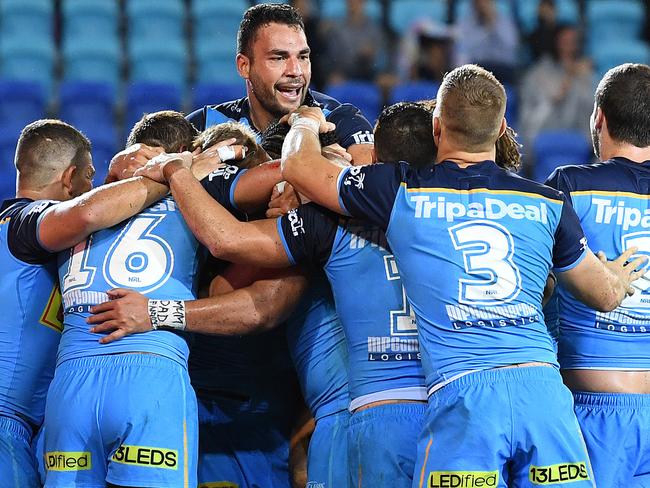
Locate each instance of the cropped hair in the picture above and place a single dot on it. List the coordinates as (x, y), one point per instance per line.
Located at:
(244, 137)
(273, 138)
(263, 14)
(167, 129)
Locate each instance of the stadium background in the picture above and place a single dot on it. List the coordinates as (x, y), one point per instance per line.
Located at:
(101, 64)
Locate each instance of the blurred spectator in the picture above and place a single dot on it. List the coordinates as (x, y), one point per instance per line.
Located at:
(558, 92)
(489, 38)
(356, 46)
(540, 40)
(425, 52)
(314, 33)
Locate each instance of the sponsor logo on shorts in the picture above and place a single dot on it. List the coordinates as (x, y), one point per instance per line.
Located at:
(151, 457)
(463, 479)
(558, 473)
(67, 461)
(219, 484)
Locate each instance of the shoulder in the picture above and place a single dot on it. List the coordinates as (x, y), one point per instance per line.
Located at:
(232, 110)
(318, 99)
(515, 182)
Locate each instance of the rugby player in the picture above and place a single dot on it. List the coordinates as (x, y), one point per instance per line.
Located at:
(474, 261)
(604, 356)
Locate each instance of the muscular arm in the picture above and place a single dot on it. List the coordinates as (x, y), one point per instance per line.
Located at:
(362, 154)
(254, 188)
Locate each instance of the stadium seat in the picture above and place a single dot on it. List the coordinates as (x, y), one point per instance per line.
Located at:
(557, 148)
(103, 139)
(30, 59)
(218, 20)
(85, 19)
(214, 64)
(610, 54)
(21, 102)
(143, 97)
(158, 19)
(214, 93)
(568, 12)
(414, 91)
(403, 13)
(614, 19)
(21, 18)
(8, 139)
(85, 104)
(151, 60)
(337, 9)
(364, 95)
(98, 61)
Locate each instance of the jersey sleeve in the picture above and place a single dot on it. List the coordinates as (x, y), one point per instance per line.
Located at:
(197, 119)
(369, 192)
(351, 126)
(570, 242)
(221, 184)
(307, 234)
(559, 181)
(22, 236)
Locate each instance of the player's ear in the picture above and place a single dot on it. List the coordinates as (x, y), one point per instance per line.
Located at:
(66, 179)
(243, 65)
(504, 126)
(599, 119)
(436, 130)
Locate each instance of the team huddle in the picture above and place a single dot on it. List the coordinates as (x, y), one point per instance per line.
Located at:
(276, 261)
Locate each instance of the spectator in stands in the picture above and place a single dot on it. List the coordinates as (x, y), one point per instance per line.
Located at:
(425, 51)
(557, 91)
(541, 39)
(489, 38)
(356, 46)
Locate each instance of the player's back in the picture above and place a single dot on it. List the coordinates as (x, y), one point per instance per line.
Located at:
(154, 253)
(31, 327)
(612, 202)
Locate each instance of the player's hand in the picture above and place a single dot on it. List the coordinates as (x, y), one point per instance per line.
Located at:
(283, 201)
(627, 271)
(155, 168)
(126, 313)
(310, 112)
(126, 162)
(337, 153)
(205, 162)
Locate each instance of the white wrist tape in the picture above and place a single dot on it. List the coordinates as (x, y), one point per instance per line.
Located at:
(307, 123)
(167, 314)
(226, 153)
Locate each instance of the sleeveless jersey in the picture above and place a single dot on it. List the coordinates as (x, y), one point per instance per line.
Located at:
(351, 126)
(31, 329)
(378, 323)
(612, 201)
(317, 347)
(474, 247)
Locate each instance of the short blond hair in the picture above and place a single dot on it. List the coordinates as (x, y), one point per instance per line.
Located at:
(244, 136)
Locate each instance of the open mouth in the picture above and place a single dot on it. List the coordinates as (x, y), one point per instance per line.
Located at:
(290, 93)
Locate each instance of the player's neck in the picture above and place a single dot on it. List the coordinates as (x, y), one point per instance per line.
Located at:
(49, 192)
(463, 158)
(627, 151)
(260, 118)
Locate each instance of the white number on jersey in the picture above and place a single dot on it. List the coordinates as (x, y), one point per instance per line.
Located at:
(402, 321)
(641, 297)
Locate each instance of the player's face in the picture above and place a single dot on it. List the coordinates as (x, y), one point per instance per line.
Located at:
(82, 178)
(280, 69)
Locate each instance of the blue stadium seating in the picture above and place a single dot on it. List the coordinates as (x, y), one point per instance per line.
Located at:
(557, 148)
(85, 104)
(92, 61)
(90, 19)
(364, 95)
(614, 19)
(143, 97)
(7, 168)
(568, 12)
(28, 58)
(512, 105)
(461, 7)
(337, 9)
(21, 18)
(403, 13)
(215, 64)
(414, 91)
(103, 139)
(158, 19)
(21, 102)
(154, 61)
(214, 93)
(217, 20)
(610, 54)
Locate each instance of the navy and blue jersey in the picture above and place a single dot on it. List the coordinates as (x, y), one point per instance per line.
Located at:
(31, 303)
(351, 126)
(153, 253)
(474, 247)
(378, 323)
(318, 350)
(612, 201)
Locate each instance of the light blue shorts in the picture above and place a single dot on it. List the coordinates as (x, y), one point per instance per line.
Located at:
(17, 460)
(502, 428)
(616, 428)
(382, 444)
(327, 459)
(129, 419)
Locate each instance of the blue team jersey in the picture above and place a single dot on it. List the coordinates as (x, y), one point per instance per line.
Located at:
(153, 253)
(317, 347)
(351, 126)
(612, 202)
(474, 247)
(31, 303)
(378, 322)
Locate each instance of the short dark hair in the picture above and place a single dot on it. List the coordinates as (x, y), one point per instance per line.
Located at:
(261, 15)
(472, 104)
(233, 130)
(404, 132)
(624, 97)
(273, 138)
(168, 129)
(48, 146)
